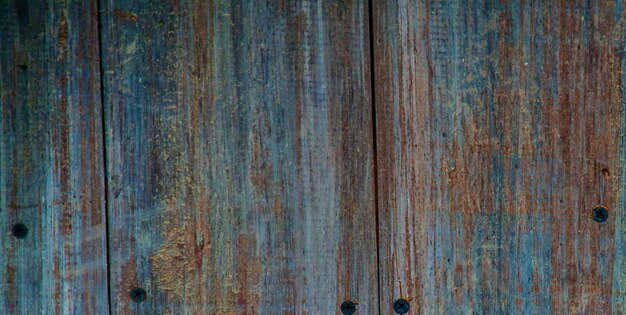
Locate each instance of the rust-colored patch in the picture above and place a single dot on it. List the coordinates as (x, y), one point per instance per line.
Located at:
(125, 16)
(606, 173)
(260, 169)
(127, 283)
(10, 278)
(278, 207)
(181, 257)
(173, 262)
(62, 38)
(249, 269)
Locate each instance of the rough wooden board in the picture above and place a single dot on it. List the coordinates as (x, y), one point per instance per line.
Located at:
(51, 159)
(239, 151)
(500, 126)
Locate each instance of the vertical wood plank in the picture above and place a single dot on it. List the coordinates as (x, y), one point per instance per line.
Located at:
(51, 165)
(240, 159)
(500, 127)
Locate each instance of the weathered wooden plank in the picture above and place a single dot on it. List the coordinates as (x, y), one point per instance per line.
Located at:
(239, 151)
(500, 127)
(51, 160)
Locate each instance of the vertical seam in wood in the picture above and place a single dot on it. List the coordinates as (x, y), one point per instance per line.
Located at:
(375, 142)
(104, 156)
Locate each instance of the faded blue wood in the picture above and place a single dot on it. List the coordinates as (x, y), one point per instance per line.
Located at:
(241, 164)
(51, 159)
(500, 127)
(239, 149)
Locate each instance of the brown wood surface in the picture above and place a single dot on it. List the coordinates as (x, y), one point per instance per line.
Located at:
(239, 156)
(500, 126)
(51, 159)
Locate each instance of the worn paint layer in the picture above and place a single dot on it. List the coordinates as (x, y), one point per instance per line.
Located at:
(51, 159)
(240, 156)
(500, 127)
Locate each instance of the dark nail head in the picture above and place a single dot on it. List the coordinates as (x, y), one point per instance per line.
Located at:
(138, 295)
(401, 306)
(348, 308)
(19, 230)
(600, 214)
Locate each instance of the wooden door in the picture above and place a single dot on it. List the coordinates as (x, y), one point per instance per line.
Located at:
(500, 128)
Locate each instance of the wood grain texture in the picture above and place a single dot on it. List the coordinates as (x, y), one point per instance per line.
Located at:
(239, 151)
(51, 159)
(500, 127)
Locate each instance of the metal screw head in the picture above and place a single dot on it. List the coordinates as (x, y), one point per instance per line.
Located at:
(600, 214)
(19, 230)
(348, 308)
(401, 306)
(138, 295)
